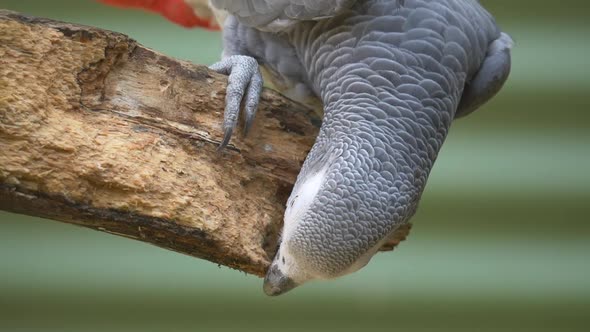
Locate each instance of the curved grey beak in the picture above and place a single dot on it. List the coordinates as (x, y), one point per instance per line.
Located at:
(276, 283)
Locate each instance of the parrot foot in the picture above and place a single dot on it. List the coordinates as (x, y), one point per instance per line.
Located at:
(244, 85)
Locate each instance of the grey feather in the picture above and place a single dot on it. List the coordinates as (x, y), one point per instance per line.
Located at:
(490, 77)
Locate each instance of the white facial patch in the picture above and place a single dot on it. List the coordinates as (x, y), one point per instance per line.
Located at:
(289, 267)
(300, 201)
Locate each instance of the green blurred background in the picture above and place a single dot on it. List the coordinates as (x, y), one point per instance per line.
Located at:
(500, 241)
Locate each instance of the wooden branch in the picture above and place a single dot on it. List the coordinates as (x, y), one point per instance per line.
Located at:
(99, 131)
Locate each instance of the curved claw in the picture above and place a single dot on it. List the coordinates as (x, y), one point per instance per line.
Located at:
(244, 85)
(226, 137)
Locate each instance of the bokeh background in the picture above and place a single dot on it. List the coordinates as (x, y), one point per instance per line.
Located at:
(501, 241)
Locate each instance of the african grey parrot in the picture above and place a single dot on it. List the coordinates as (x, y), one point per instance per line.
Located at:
(391, 76)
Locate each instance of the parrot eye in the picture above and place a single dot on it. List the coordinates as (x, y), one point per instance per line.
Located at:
(293, 201)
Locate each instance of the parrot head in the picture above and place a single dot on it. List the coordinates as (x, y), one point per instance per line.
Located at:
(344, 207)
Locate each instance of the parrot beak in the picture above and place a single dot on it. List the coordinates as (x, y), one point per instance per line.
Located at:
(276, 283)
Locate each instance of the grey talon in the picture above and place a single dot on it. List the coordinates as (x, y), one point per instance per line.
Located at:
(244, 86)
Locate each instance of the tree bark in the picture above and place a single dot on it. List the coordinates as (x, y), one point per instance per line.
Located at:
(99, 131)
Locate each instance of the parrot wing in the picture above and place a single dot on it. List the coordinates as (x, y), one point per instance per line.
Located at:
(188, 13)
(277, 15)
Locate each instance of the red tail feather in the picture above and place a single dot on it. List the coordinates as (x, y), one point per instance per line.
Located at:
(176, 11)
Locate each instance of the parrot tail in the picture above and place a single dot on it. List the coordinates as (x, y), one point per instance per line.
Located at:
(176, 11)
